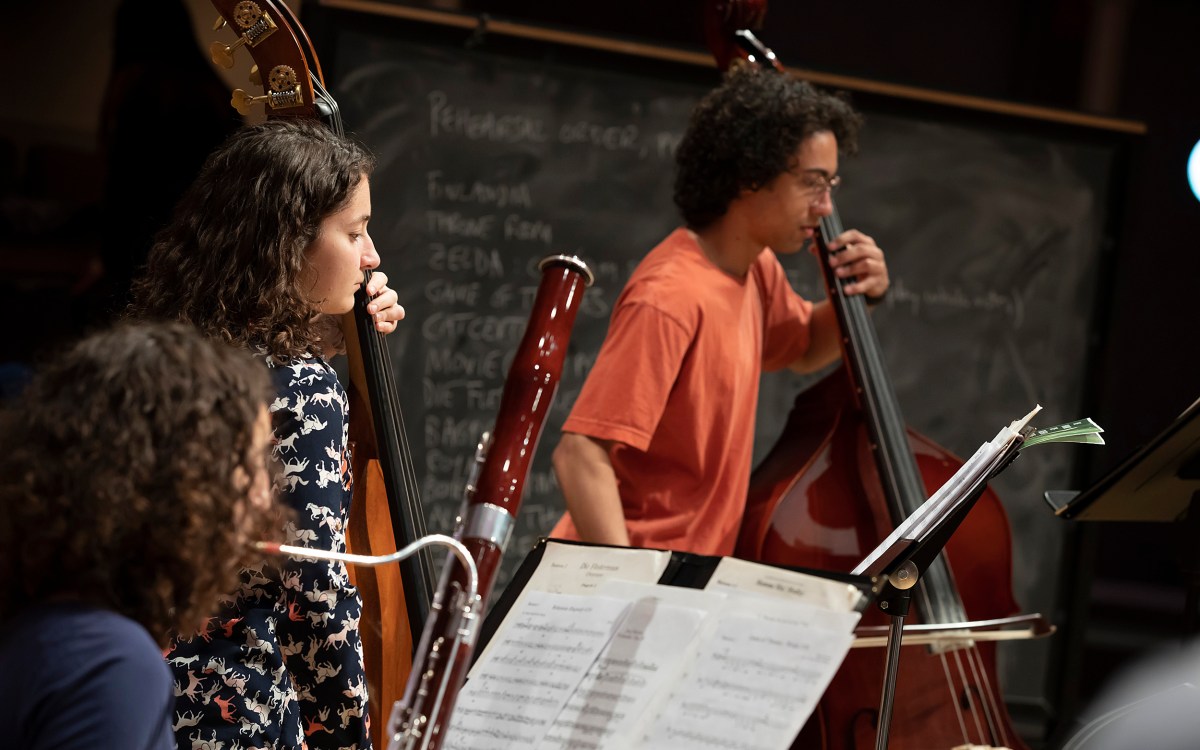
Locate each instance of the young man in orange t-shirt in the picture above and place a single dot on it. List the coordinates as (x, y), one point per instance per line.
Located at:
(657, 449)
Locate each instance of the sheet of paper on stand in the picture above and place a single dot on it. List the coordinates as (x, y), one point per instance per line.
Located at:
(741, 664)
(581, 569)
(979, 467)
(528, 677)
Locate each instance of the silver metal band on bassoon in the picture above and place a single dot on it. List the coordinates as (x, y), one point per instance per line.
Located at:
(574, 262)
(490, 522)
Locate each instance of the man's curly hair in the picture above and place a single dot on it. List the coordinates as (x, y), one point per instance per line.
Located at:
(124, 469)
(745, 133)
(230, 260)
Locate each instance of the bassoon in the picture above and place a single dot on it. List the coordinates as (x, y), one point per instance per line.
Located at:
(491, 501)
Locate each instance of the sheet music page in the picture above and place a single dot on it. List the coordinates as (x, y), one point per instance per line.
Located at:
(755, 680)
(578, 569)
(581, 569)
(733, 574)
(984, 463)
(517, 692)
(647, 654)
(637, 665)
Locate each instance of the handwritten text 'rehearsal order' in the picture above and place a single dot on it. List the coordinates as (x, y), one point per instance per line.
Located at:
(454, 120)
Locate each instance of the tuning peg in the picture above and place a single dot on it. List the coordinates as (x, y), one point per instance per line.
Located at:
(255, 75)
(242, 101)
(256, 26)
(285, 91)
(219, 23)
(222, 54)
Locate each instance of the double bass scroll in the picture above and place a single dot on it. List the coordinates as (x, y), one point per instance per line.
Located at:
(490, 506)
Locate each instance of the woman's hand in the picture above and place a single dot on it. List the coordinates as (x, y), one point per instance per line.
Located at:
(384, 307)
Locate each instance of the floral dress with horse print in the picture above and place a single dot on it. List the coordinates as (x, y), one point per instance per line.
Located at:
(281, 666)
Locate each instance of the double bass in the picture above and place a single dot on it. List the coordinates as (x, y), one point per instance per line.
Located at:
(400, 611)
(844, 473)
(386, 510)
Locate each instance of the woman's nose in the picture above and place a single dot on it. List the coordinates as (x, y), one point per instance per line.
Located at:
(370, 257)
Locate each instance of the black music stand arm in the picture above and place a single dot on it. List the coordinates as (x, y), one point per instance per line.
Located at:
(922, 552)
(897, 608)
(902, 567)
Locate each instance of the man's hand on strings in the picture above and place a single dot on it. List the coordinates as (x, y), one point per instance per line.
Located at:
(854, 254)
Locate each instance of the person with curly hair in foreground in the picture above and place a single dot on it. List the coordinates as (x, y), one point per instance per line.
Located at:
(133, 476)
(656, 451)
(267, 245)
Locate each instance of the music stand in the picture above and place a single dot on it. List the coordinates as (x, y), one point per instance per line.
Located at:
(1159, 482)
(900, 566)
(1156, 483)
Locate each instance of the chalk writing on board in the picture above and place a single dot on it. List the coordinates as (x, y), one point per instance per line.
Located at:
(916, 301)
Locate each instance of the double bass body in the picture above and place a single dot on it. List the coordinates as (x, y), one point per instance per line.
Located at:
(816, 501)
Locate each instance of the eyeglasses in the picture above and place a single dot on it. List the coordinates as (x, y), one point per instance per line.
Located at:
(816, 185)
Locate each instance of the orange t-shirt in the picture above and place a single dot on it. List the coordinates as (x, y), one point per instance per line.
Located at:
(676, 386)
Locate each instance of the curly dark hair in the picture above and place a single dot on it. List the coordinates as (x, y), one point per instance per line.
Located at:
(230, 260)
(127, 472)
(745, 133)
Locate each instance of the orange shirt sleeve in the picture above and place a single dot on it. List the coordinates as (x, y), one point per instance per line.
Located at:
(627, 389)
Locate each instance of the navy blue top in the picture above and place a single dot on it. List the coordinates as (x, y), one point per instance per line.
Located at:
(73, 676)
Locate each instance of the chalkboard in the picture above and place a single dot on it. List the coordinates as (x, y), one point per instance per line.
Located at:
(484, 167)
(489, 161)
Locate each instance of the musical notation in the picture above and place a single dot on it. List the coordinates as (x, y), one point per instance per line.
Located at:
(646, 653)
(764, 667)
(648, 667)
(523, 683)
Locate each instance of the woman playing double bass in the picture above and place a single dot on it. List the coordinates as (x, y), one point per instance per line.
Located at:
(657, 450)
(268, 243)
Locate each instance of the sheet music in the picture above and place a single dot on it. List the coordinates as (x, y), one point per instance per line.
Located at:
(755, 680)
(617, 666)
(733, 574)
(647, 666)
(648, 653)
(981, 464)
(580, 569)
(515, 695)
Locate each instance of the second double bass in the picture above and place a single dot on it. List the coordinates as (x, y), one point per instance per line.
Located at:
(844, 473)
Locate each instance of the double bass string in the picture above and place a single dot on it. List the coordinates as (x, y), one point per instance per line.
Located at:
(903, 487)
(377, 358)
(396, 441)
(873, 380)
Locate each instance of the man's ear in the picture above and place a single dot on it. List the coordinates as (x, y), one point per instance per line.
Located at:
(748, 190)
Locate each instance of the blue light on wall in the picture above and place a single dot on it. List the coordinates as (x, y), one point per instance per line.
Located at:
(1194, 170)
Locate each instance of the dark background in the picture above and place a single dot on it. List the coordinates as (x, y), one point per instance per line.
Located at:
(1124, 595)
